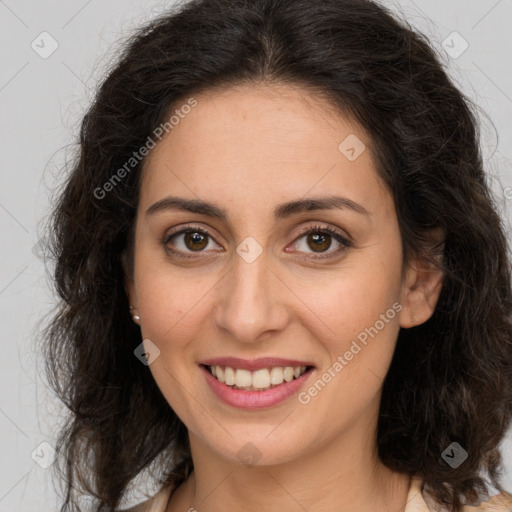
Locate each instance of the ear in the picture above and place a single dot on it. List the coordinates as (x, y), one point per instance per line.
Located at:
(421, 288)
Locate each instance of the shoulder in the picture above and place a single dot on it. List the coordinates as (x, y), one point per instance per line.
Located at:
(157, 503)
(500, 503)
(417, 500)
(420, 500)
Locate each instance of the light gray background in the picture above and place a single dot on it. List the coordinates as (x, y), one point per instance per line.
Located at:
(42, 100)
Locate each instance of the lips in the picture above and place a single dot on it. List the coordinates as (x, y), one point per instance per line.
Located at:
(257, 383)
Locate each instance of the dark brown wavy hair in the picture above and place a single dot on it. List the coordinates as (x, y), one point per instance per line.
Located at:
(450, 379)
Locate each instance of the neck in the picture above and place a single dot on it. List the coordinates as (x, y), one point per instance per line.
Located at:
(344, 475)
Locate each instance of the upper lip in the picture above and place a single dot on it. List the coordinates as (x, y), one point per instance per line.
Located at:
(254, 364)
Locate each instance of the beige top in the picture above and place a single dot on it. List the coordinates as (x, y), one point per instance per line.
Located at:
(417, 501)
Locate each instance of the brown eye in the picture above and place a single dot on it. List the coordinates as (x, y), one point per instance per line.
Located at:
(319, 240)
(195, 241)
(186, 241)
(315, 239)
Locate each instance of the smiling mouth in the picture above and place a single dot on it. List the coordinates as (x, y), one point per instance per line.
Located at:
(257, 380)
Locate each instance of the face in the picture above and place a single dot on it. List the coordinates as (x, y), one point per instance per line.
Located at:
(227, 277)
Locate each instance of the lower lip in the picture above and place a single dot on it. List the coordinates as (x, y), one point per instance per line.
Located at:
(255, 399)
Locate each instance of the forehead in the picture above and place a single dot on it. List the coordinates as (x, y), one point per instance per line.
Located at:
(259, 145)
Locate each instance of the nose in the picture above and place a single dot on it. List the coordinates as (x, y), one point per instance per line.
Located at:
(252, 301)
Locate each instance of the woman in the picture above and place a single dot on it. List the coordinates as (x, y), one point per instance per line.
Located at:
(284, 283)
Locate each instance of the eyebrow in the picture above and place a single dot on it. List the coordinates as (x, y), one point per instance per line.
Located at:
(281, 211)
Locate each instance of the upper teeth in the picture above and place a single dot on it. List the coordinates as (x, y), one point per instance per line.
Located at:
(258, 379)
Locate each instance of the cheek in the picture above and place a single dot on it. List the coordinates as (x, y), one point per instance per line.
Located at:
(361, 309)
(171, 300)
(355, 299)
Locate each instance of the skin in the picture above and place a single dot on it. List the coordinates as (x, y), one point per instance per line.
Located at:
(248, 149)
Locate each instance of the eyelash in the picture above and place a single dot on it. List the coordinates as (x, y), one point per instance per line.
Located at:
(345, 243)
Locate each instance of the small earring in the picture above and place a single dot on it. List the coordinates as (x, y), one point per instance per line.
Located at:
(136, 318)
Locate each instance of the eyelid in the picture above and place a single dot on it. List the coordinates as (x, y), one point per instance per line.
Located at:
(182, 230)
(341, 237)
(333, 231)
